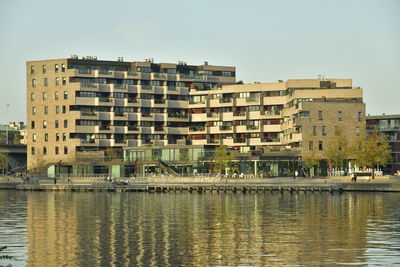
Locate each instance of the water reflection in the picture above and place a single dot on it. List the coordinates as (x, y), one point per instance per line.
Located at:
(141, 229)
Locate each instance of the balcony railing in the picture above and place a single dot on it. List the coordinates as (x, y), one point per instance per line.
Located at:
(104, 99)
(88, 113)
(133, 128)
(89, 85)
(120, 86)
(239, 140)
(239, 114)
(84, 71)
(252, 99)
(130, 100)
(158, 129)
(197, 128)
(90, 141)
(146, 87)
(225, 100)
(178, 116)
(105, 72)
(213, 115)
(268, 140)
(225, 127)
(252, 127)
(159, 101)
(119, 114)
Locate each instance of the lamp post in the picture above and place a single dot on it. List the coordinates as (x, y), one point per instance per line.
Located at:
(7, 106)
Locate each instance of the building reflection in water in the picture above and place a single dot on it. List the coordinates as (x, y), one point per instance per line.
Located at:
(141, 229)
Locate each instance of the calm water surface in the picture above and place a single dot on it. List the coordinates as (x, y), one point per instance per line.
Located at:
(183, 229)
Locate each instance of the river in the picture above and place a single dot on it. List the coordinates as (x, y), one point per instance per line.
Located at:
(192, 229)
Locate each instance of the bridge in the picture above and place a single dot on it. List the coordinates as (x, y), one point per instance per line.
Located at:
(16, 157)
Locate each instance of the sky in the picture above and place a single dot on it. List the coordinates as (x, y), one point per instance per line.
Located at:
(265, 40)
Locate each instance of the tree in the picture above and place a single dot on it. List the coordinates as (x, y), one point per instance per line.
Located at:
(311, 160)
(371, 150)
(337, 149)
(222, 158)
(3, 162)
(112, 154)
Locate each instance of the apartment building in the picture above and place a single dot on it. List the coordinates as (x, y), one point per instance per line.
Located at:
(389, 126)
(84, 109)
(142, 117)
(276, 123)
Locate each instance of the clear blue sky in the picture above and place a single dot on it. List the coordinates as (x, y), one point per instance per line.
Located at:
(265, 40)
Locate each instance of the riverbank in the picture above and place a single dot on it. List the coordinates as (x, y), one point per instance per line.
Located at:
(210, 184)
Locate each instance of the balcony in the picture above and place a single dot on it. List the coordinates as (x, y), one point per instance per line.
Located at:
(239, 140)
(225, 127)
(225, 100)
(197, 128)
(213, 115)
(159, 101)
(84, 71)
(88, 113)
(85, 85)
(104, 99)
(239, 113)
(252, 127)
(270, 140)
(252, 99)
(120, 86)
(159, 129)
(146, 87)
(133, 128)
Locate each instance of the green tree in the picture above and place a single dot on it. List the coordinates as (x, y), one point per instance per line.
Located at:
(338, 149)
(371, 150)
(311, 161)
(3, 162)
(16, 139)
(222, 158)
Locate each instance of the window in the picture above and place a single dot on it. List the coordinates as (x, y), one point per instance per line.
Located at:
(56, 150)
(340, 116)
(64, 137)
(314, 130)
(44, 96)
(321, 145)
(56, 123)
(57, 137)
(65, 150)
(359, 116)
(65, 123)
(46, 137)
(33, 110)
(32, 96)
(46, 81)
(33, 82)
(56, 67)
(310, 145)
(63, 67)
(64, 81)
(65, 95)
(320, 115)
(44, 150)
(32, 69)
(33, 137)
(323, 130)
(226, 74)
(32, 124)
(56, 96)
(44, 124)
(171, 71)
(57, 110)
(44, 69)
(46, 110)
(64, 109)
(358, 130)
(32, 150)
(57, 81)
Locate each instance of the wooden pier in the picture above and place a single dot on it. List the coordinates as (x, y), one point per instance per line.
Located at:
(192, 188)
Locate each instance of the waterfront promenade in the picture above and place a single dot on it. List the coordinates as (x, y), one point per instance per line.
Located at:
(206, 184)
